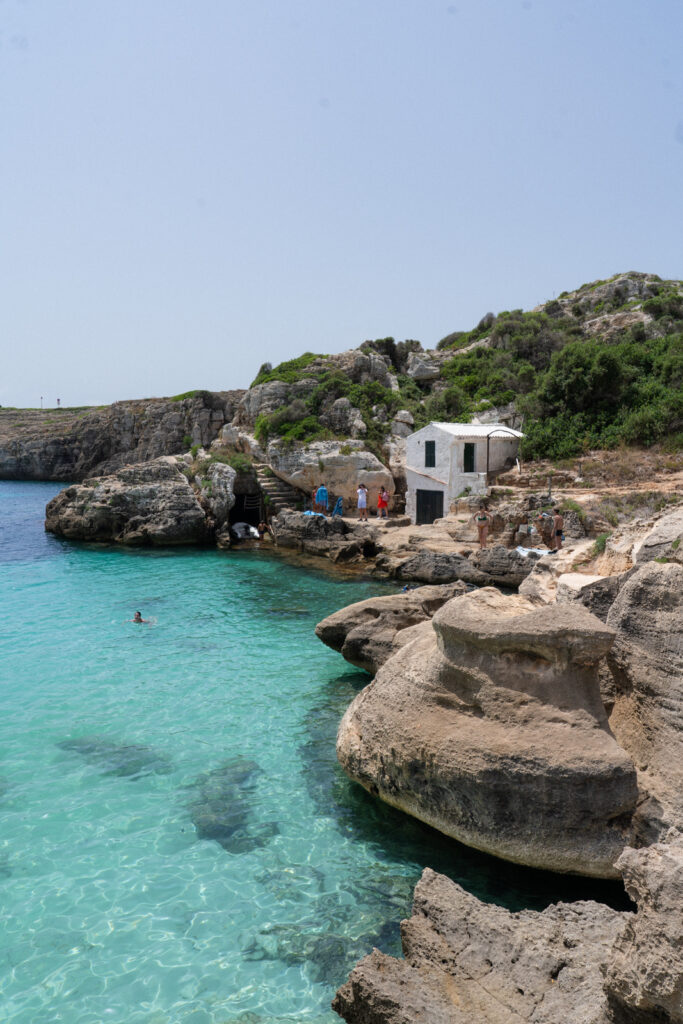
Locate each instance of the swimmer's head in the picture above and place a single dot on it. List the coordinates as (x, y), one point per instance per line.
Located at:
(137, 616)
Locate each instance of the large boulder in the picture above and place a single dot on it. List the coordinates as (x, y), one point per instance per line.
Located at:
(341, 466)
(647, 665)
(267, 398)
(644, 976)
(664, 541)
(421, 367)
(497, 566)
(366, 633)
(148, 503)
(492, 730)
(468, 962)
(325, 537)
(503, 566)
(436, 567)
(344, 418)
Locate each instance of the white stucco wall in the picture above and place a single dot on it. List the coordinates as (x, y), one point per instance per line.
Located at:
(448, 475)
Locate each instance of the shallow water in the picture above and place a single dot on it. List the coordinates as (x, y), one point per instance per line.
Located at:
(177, 843)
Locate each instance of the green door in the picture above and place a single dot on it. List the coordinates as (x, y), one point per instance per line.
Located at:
(429, 506)
(468, 458)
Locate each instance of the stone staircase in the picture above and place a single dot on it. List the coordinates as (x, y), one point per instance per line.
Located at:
(280, 494)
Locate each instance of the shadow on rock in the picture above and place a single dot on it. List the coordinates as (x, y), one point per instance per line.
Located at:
(221, 808)
(128, 760)
(396, 836)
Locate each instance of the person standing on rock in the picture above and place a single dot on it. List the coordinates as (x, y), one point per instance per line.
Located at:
(321, 499)
(383, 504)
(362, 493)
(263, 528)
(558, 527)
(483, 520)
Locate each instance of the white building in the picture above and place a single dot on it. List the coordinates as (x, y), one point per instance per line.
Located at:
(445, 459)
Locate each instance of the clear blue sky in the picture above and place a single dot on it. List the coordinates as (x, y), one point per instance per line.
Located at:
(193, 187)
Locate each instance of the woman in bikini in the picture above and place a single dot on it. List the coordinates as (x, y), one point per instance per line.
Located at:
(483, 520)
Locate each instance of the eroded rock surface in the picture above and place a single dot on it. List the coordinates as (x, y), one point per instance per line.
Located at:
(503, 566)
(73, 444)
(644, 975)
(665, 540)
(367, 633)
(340, 466)
(492, 730)
(647, 664)
(149, 503)
(467, 962)
(435, 567)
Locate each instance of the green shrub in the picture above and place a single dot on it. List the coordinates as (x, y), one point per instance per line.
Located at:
(573, 506)
(187, 441)
(240, 462)
(185, 394)
(600, 544)
(194, 449)
(610, 514)
(289, 371)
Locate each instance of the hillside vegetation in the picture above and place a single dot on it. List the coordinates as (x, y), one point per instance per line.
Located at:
(597, 367)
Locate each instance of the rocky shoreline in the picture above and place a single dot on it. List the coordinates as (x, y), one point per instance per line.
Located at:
(544, 727)
(547, 734)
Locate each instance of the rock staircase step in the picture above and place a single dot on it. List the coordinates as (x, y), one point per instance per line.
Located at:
(280, 494)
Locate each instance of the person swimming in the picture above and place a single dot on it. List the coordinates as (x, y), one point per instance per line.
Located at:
(138, 618)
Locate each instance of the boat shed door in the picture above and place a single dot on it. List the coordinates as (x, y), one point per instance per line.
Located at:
(429, 506)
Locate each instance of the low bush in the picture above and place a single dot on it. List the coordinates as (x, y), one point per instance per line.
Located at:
(600, 544)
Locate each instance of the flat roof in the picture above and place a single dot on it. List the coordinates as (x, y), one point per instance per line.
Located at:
(475, 429)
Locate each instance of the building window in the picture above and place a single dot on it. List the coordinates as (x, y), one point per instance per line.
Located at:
(430, 453)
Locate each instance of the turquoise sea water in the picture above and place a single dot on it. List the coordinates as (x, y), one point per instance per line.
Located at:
(177, 844)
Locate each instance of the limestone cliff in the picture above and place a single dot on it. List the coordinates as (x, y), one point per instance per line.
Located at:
(71, 444)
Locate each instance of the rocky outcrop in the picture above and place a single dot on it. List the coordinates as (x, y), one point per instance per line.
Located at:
(468, 962)
(644, 974)
(492, 730)
(368, 632)
(642, 540)
(421, 367)
(345, 419)
(263, 399)
(327, 537)
(503, 566)
(150, 503)
(433, 567)
(360, 367)
(647, 665)
(665, 541)
(218, 496)
(341, 467)
(73, 444)
(496, 566)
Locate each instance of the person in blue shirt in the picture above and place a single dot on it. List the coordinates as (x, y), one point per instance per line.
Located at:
(321, 499)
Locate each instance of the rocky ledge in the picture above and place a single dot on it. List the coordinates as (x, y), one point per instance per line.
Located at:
(466, 961)
(490, 727)
(488, 723)
(151, 503)
(368, 632)
(341, 540)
